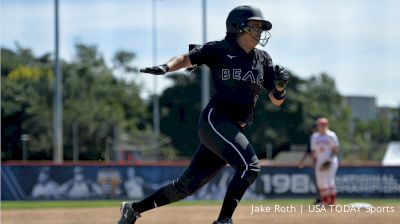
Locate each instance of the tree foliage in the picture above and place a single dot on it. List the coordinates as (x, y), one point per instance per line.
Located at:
(180, 106)
(93, 98)
(98, 103)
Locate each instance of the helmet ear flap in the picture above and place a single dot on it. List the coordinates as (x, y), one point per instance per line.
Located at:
(235, 25)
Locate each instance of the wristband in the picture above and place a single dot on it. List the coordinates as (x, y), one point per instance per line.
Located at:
(279, 95)
(165, 66)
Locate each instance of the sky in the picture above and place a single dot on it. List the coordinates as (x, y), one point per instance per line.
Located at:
(357, 42)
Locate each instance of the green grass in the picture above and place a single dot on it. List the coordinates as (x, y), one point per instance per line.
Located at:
(115, 203)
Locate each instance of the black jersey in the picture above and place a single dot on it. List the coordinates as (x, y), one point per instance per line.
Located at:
(237, 76)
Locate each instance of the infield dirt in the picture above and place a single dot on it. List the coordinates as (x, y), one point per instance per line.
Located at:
(192, 215)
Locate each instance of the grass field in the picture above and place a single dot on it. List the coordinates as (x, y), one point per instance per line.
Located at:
(190, 212)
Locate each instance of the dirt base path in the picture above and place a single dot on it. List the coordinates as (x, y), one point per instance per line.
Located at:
(197, 215)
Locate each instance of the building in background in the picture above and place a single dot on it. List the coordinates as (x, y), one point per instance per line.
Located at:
(362, 107)
(387, 113)
(393, 115)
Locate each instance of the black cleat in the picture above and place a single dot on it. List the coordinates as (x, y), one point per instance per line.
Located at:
(224, 221)
(128, 215)
(317, 201)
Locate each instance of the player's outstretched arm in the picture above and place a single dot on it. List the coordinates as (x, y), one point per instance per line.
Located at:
(174, 64)
(179, 62)
(277, 95)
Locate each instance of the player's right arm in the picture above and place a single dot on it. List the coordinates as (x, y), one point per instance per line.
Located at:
(313, 147)
(301, 163)
(178, 62)
(197, 55)
(175, 63)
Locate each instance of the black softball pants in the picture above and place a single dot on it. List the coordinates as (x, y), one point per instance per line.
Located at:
(222, 142)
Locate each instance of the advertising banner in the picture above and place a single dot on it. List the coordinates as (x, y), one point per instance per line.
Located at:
(64, 182)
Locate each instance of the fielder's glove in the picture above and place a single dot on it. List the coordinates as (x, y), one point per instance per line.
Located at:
(325, 165)
(281, 76)
(156, 70)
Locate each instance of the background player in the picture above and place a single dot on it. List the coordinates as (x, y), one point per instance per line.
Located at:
(306, 154)
(324, 145)
(238, 72)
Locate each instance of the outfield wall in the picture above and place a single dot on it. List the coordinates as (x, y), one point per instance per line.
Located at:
(55, 182)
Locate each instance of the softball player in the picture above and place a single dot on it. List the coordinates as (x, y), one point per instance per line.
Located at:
(324, 145)
(239, 71)
(306, 154)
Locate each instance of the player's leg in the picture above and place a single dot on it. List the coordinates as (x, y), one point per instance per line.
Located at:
(203, 167)
(332, 183)
(226, 139)
(317, 194)
(323, 185)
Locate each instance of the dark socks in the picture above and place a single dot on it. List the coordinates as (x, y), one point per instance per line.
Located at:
(236, 189)
(163, 196)
(173, 192)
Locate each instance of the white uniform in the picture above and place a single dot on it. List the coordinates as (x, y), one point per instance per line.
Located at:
(322, 145)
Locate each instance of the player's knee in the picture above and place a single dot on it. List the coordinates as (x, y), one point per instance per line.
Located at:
(254, 169)
(251, 172)
(255, 165)
(252, 176)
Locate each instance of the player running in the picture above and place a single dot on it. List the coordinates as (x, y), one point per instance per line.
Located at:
(324, 145)
(238, 72)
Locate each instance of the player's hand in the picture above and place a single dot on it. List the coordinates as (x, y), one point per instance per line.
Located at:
(281, 77)
(156, 70)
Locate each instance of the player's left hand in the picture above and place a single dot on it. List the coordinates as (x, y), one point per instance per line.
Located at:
(156, 70)
(281, 77)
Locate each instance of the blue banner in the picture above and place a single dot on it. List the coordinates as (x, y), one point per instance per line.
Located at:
(55, 182)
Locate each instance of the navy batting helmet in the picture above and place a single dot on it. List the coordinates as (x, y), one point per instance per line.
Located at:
(238, 17)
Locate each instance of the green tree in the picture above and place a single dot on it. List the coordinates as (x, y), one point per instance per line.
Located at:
(180, 107)
(99, 102)
(26, 98)
(94, 99)
(371, 138)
